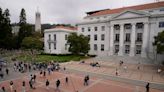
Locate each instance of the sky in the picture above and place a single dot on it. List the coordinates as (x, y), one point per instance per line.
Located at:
(62, 11)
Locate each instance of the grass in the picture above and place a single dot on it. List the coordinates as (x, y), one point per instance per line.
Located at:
(47, 58)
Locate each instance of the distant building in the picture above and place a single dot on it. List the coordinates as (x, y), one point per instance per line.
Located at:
(15, 29)
(127, 31)
(55, 39)
(38, 21)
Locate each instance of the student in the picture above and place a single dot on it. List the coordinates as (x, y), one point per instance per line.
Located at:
(66, 80)
(3, 89)
(44, 73)
(57, 83)
(7, 71)
(147, 87)
(47, 84)
(23, 87)
(31, 84)
(11, 86)
(87, 79)
(34, 77)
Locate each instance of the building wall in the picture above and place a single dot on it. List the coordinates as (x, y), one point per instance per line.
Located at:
(60, 42)
(150, 18)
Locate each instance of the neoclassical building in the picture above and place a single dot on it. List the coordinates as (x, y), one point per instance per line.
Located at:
(127, 31)
(55, 39)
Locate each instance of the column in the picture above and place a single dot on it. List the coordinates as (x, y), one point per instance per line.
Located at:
(132, 45)
(111, 39)
(121, 40)
(145, 40)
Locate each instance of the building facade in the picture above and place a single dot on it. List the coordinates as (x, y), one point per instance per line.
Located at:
(55, 39)
(127, 31)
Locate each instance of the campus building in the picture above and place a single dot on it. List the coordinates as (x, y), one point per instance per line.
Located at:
(127, 31)
(55, 39)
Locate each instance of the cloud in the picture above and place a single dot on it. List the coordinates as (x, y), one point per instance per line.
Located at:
(61, 11)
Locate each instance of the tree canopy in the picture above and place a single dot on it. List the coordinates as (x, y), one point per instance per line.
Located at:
(5, 30)
(32, 43)
(159, 42)
(79, 44)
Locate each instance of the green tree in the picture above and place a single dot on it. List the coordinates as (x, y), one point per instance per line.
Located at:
(79, 44)
(32, 43)
(25, 29)
(5, 30)
(159, 42)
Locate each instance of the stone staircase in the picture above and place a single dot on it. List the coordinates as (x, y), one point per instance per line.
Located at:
(126, 59)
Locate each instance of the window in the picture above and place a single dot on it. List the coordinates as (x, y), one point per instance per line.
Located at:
(102, 37)
(139, 37)
(49, 45)
(49, 37)
(138, 49)
(89, 29)
(103, 28)
(66, 37)
(139, 26)
(116, 48)
(127, 39)
(102, 47)
(89, 36)
(82, 29)
(95, 37)
(95, 28)
(116, 27)
(127, 47)
(117, 37)
(128, 26)
(161, 24)
(162, 9)
(65, 46)
(54, 37)
(95, 47)
(55, 46)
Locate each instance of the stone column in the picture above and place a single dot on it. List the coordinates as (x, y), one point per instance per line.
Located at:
(145, 40)
(121, 40)
(111, 39)
(132, 38)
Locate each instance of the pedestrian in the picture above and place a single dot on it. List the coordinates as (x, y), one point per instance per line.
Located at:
(23, 87)
(87, 79)
(66, 80)
(44, 73)
(15, 90)
(3, 89)
(57, 84)
(147, 87)
(47, 84)
(41, 73)
(34, 77)
(31, 84)
(7, 71)
(116, 72)
(11, 86)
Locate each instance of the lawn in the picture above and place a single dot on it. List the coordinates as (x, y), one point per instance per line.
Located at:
(47, 58)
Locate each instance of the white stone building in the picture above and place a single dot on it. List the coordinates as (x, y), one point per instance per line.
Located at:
(55, 39)
(127, 31)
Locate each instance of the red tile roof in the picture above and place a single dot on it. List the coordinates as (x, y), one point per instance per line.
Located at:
(66, 27)
(137, 7)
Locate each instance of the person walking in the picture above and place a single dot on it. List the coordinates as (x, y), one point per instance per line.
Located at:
(3, 89)
(47, 84)
(87, 79)
(34, 78)
(7, 71)
(44, 73)
(57, 84)
(23, 87)
(147, 87)
(11, 86)
(31, 84)
(66, 80)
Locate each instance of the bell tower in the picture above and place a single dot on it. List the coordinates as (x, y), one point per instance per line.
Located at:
(38, 21)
